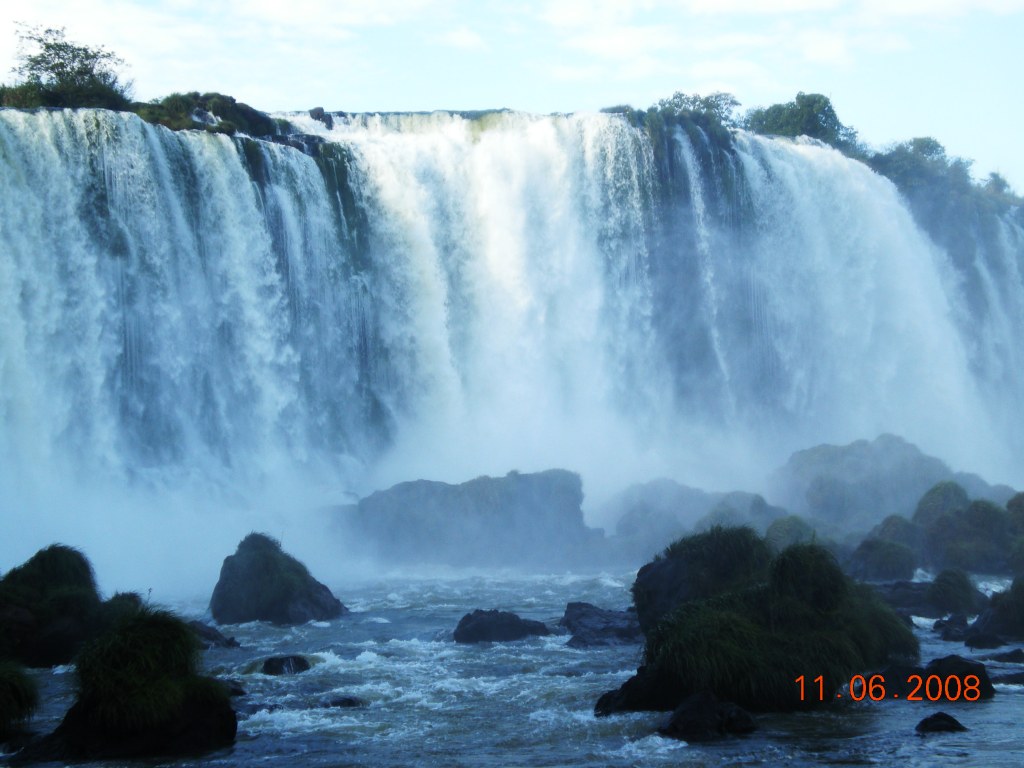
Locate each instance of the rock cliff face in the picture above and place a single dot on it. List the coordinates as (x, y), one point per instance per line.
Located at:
(260, 582)
(519, 519)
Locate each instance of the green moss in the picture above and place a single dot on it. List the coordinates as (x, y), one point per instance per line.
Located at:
(54, 568)
(18, 697)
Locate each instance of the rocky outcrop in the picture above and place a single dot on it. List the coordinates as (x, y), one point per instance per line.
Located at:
(516, 520)
(210, 637)
(497, 627)
(592, 626)
(262, 583)
(645, 691)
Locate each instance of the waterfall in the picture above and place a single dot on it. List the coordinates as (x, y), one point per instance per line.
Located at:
(445, 295)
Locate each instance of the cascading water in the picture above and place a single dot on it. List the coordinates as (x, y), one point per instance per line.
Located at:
(184, 314)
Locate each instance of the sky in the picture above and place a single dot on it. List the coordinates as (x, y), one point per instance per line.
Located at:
(894, 69)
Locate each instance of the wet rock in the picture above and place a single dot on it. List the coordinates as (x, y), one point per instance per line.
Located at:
(496, 627)
(592, 626)
(644, 692)
(940, 722)
(960, 667)
(702, 717)
(1010, 678)
(317, 113)
(285, 665)
(209, 637)
(1016, 656)
(260, 582)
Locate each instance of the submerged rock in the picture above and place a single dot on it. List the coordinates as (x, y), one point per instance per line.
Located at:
(285, 665)
(940, 722)
(646, 691)
(593, 626)
(260, 582)
(702, 717)
(496, 627)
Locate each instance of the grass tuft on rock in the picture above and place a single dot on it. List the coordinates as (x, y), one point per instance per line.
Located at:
(138, 674)
(749, 645)
(953, 592)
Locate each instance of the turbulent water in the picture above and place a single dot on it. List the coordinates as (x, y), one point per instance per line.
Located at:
(429, 701)
(443, 296)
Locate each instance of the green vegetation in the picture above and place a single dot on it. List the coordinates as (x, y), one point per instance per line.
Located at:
(953, 592)
(18, 697)
(749, 645)
(881, 560)
(140, 673)
(788, 530)
(899, 530)
(55, 72)
(54, 593)
(809, 114)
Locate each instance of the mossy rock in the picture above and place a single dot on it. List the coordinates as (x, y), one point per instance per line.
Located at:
(881, 560)
(18, 698)
(260, 582)
(49, 606)
(788, 530)
(952, 592)
(140, 695)
(941, 499)
(748, 645)
(978, 538)
(696, 567)
(900, 530)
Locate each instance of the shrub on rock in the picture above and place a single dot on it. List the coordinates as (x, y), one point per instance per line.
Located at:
(788, 530)
(48, 607)
(953, 592)
(140, 695)
(880, 560)
(941, 499)
(260, 582)
(748, 645)
(695, 567)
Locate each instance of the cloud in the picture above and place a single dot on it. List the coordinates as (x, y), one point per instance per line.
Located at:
(462, 38)
(625, 42)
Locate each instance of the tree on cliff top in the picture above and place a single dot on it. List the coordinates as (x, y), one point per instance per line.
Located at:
(55, 72)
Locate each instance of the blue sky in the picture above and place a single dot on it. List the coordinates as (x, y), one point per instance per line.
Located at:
(894, 69)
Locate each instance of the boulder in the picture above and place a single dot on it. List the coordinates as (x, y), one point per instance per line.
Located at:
(1010, 678)
(1016, 656)
(940, 722)
(344, 702)
(285, 665)
(645, 691)
(702, 717)
(260, 582)
(496, 627)
(318, 114)
(592, 626)
(881, 560)
(958, 666)
(1004, 618)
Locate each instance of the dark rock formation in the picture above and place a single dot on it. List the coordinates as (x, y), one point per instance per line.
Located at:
(1010, 678)
(262, 583)
(209, 637)
(285, 665)
(951, 592)
(496, 627)
(317, 113)
(940, 722)
(958, 666)
(702, 717)
(858, 485)
(345, 702)
(952, 629)
(646, 691)
(592, 626)
(516, 520)
(1016, 656)
(1003, 619)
